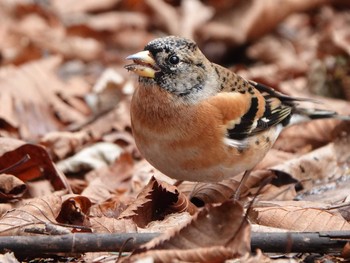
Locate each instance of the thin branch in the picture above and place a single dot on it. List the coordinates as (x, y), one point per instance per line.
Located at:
(281, 242)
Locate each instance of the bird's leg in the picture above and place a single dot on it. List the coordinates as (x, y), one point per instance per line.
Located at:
(241, 184)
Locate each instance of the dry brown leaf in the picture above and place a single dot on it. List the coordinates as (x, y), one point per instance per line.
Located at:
(75, 211)
(224, 224)
(270, 74)
(206, 254)
(45, 216)
(164, 16)
(341, 38)
(8, 257)
(108, 91)
(36, 213)
(74, 47)
(107, 182)
(11, 187)
(62, 144)
(5, 207)
(298, 218)
(53, 37)
(212, 254)
(330, 77)
(327, 163)
(272, 192)
(92, 157)
(65, 7)
(35, 109)
(346, 251)
(13, 50)
(143, 173)
(112, 207)
(335, 193)
(334, 36)
(217, 232)
(184, 21)
(171, 221)
(206, 193)
(113, 21)
(116, 119)
(156, 201)
(279, 52)
(112, 225)
(274, 157)
(243, 22)
(123, 139)
(38, 164)
(304, 137)
(193, 15)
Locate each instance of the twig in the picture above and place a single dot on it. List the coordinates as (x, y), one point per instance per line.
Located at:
(15, 165)
(320, 242)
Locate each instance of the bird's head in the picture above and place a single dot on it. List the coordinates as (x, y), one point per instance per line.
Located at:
(176, 65)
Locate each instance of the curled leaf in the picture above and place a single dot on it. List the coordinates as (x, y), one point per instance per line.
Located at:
(11, 187)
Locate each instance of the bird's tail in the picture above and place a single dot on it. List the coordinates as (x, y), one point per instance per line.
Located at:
(304, 114)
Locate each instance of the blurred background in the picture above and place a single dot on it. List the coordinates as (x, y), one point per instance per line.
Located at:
(63, 86)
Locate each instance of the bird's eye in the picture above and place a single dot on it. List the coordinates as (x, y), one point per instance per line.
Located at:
(174, 59)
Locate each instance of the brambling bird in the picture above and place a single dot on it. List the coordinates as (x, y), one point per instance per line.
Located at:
(195, 120)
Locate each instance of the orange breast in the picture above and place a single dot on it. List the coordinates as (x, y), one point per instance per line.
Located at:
(186, 141)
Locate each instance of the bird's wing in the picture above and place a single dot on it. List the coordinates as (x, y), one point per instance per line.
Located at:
(278, 108)
(253, 112)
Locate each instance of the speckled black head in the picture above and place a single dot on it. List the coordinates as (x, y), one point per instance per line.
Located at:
(170, 44)
(184, 70)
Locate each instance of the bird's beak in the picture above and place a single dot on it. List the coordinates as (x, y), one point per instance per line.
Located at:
(144, 64)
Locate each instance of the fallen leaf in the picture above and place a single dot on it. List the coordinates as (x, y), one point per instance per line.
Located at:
(274, 157)
(155, 201)
(206, 254)
(38, 164)
(37, 109)
(193, 15)
(8, 257)
(107, 92)
(11, 187)
(206, 193)
(66, 7)
(282, 193)
(105, 183)
(216, 233)
(171, 221)
(62, 144)
(326, 163)
(112, 225)
(113, 21)
(112, 207)
(40, 32)
(90, 158)
(35, 213)
(116, 119)
(298, 218)
(5, 207)
(242, 23)
(75, 211)
(143, 172)
(164, 15)
(305, 137)
(212, 226)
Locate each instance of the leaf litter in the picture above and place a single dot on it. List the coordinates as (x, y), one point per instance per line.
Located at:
(68, 161)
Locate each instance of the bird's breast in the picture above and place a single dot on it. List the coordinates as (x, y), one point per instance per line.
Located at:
(184, 141)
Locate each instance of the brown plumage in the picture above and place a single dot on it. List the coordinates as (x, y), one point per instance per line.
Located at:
(195, 120)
